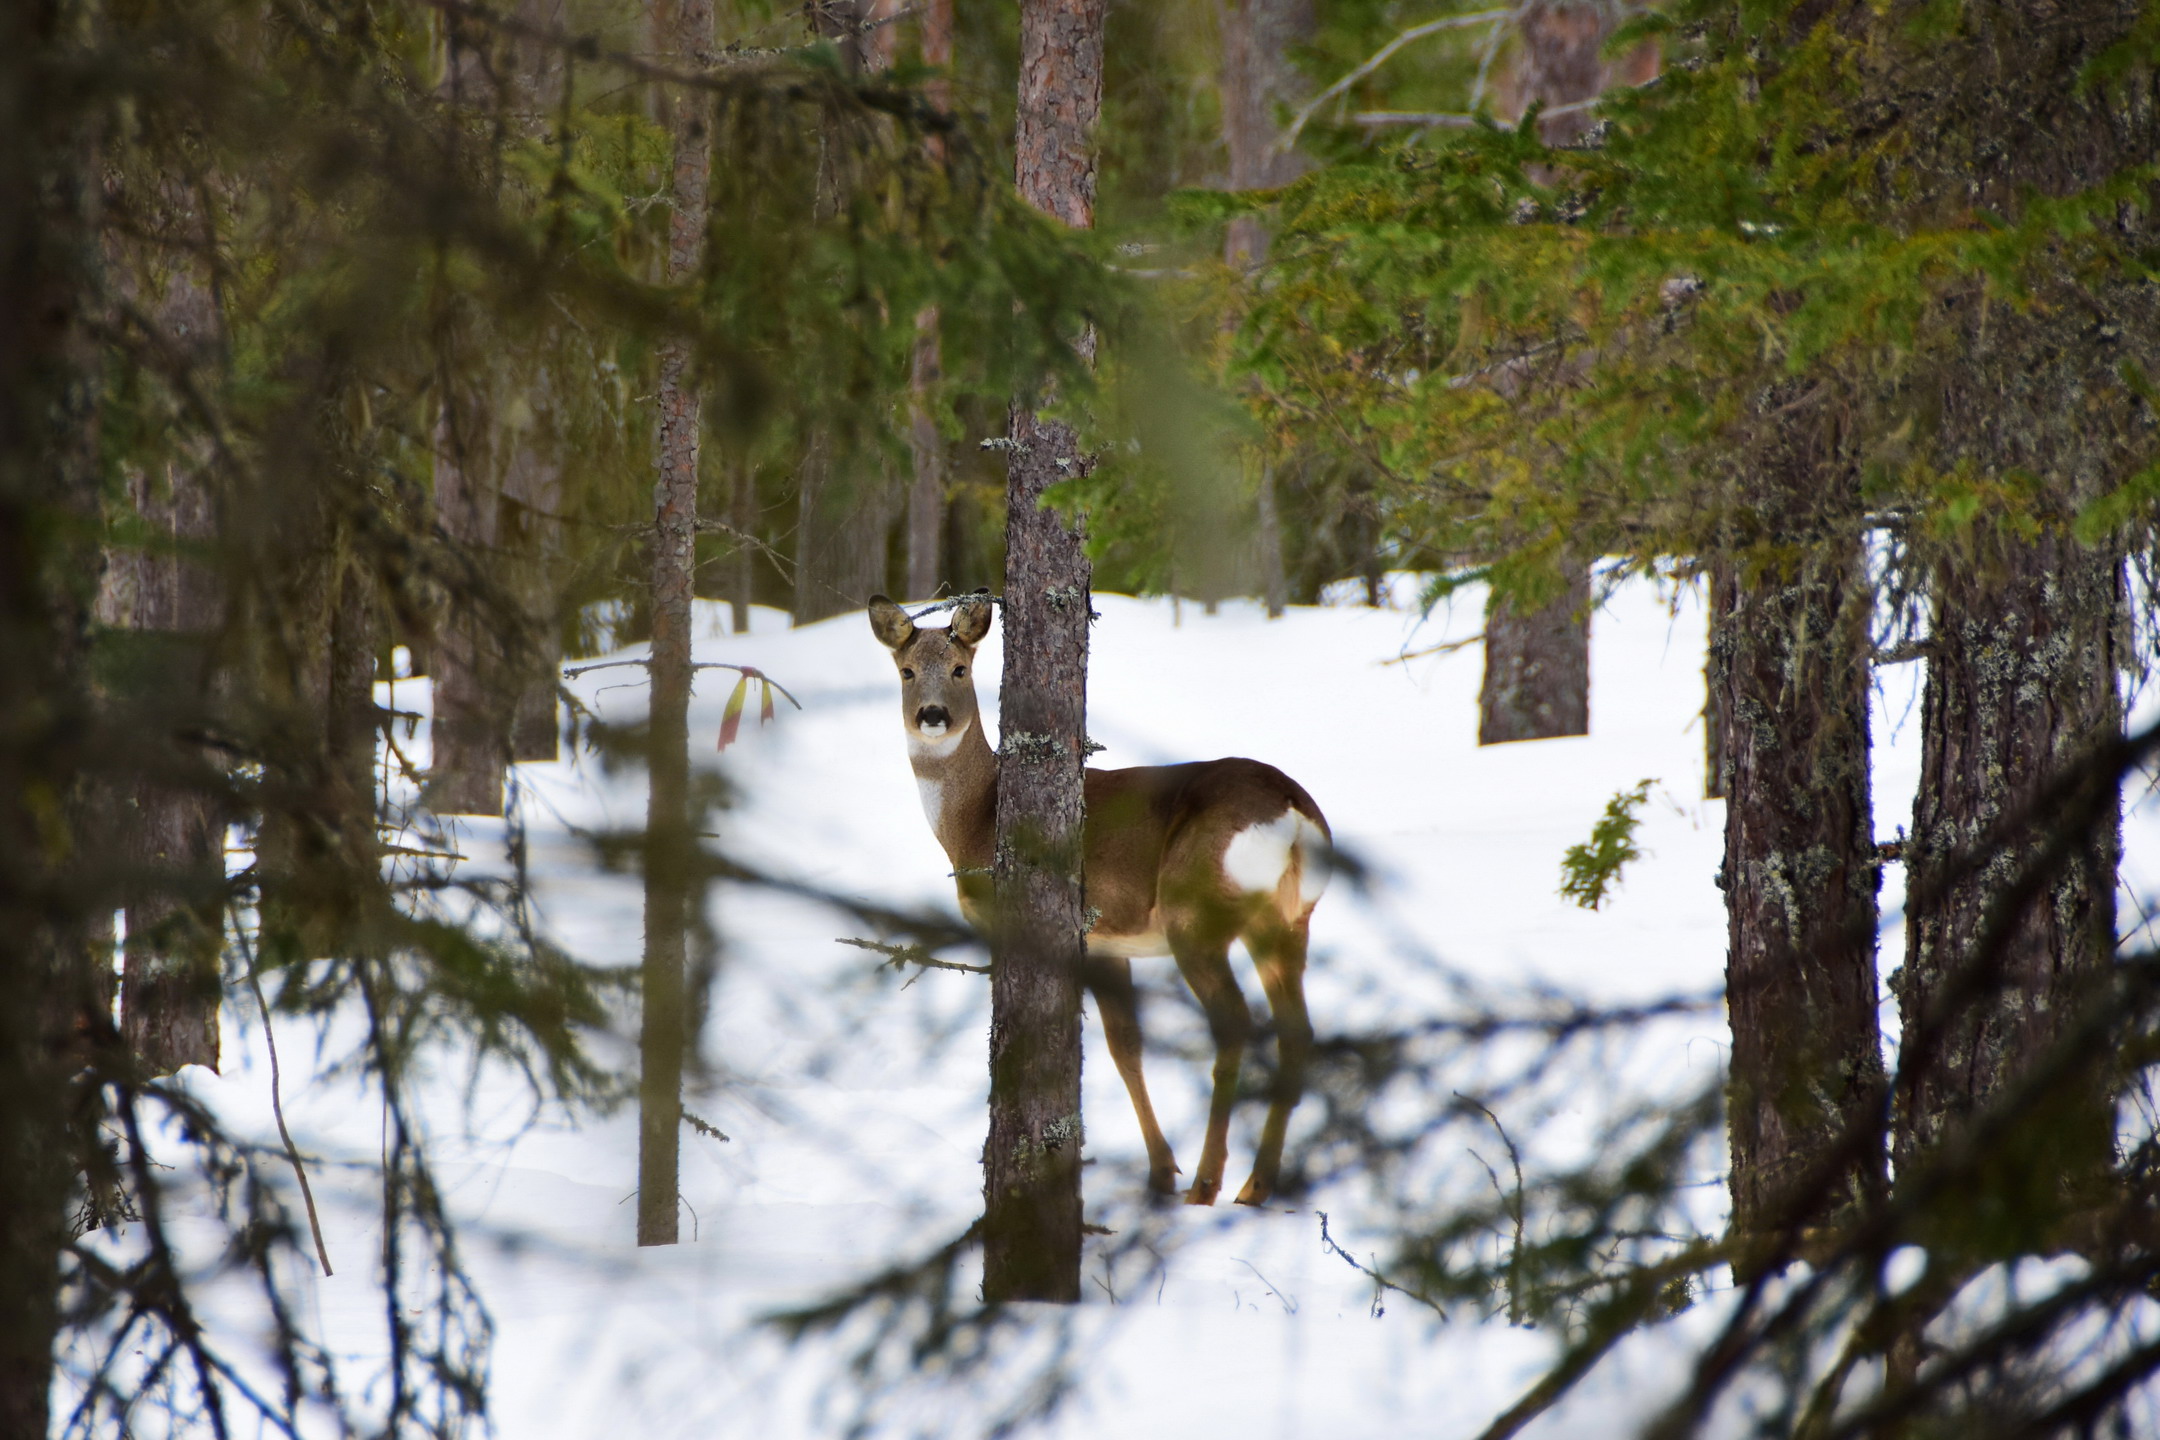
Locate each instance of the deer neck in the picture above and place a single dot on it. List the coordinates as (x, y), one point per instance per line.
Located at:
(957, 777)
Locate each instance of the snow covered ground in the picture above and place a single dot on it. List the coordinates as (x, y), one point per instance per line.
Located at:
(855, 1103)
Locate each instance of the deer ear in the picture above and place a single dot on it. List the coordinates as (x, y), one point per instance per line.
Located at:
(890, 623)
(971, 621)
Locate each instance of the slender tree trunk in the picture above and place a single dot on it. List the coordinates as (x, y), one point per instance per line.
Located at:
(669, 844)
(1537, 662)
(1258, 80)
(926, 490)
(743, 515)
(1031, 1161)
(48, 499)
(532, 492)
(1274, 584)
(1800, 877)
(470, 732)
(1716, 766)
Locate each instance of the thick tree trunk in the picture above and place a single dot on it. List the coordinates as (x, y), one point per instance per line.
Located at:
(669, 843)
(1537, 667)
(48, 501)
(1791, 646)
(2021, 684)
(1031, 1161)
(2022, 655)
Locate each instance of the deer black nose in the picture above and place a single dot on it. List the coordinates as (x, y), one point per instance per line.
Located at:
(932, 715)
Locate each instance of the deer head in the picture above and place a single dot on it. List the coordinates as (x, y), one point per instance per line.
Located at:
(937, 672)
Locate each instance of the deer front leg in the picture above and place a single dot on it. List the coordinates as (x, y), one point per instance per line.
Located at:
(1109, 977)
(1279, 954)
(1206, 967)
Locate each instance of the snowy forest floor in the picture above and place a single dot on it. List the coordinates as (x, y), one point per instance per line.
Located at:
(854, 1100)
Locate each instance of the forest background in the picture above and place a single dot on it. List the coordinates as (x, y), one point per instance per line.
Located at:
(338, 329)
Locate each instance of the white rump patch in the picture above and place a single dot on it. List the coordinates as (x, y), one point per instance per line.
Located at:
(1258, 855)
(928, 742)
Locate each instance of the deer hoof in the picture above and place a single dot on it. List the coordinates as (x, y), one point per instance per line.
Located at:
(1203, 1192)
(1254, 1193)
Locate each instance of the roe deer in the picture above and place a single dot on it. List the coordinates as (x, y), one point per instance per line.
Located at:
(1180, 860)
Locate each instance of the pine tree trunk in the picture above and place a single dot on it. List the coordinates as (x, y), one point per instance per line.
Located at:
(469, 733)
(48, 501)
(926, 489)
(669, 844)
(1258, 80)
(1716, 766)
(842, 524)
(2025, 620)
(2021, 684)
(169, 1001)
(1537, 663)
(532, 495)
(1031, 1161)
(1537, 667)
(1791, 646)
(742, 575)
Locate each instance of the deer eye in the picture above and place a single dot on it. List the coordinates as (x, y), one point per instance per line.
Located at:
(958, 671)
(906, 674)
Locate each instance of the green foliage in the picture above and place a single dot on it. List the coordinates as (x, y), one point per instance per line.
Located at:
(1588, 870)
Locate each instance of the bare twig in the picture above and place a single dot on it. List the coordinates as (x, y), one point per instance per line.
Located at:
(571, 672)
(1445, 647)
(899, 955)
(1380, 57)
(277, 1100)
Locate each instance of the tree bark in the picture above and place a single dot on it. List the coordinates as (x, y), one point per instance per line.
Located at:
(1258, 80)
(841, 530)
(1791, 644)
(2025, 620)
(1537, 662)
(743, 515)
(469, 733)
(1031, 1160)
(926, 489)
(532, 504)
(167, 598)
(669, 843)
(48, 502)
(2020, 685)
(1537, 667)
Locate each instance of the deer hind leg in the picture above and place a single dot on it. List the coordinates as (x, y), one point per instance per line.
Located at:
(1203, 957)
(1278, 951)
(1110, 978)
